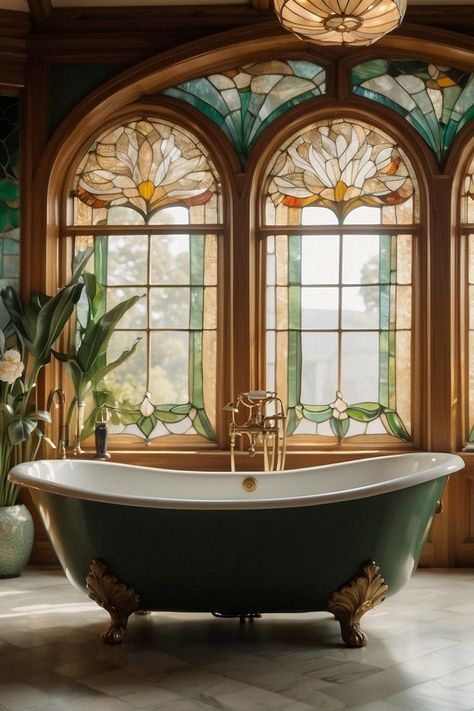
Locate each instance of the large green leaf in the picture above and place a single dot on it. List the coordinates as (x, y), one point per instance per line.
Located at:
(394, 424)
(203, 426)
(5, 407)
(19, 430)
(41, 415)
(95, 342)
(79, 263)
(317, 413)
(129, 416)
(52, 318)
(167, 416)
(146, 425)
(292, 421)
(100, 374)
(339, 427)
(365, 411)
(14, 308)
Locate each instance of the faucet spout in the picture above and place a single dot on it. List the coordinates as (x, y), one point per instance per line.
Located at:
(57, 399)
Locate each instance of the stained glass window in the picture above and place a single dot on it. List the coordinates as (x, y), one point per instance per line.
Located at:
(436, 100)
(243, 101)
(341, 209)
(147, 196)
(9, 197)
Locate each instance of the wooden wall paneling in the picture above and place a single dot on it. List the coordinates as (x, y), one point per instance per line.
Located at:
(14, 27)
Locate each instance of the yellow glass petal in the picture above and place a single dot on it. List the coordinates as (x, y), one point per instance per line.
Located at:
(146, 189)
(340, 190)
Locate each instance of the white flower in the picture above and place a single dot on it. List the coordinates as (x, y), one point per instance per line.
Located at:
(11, 367)
(339, 407)
(12, 356)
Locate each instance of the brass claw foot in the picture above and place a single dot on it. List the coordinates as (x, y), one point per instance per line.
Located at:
(118, 599)
(352, 601)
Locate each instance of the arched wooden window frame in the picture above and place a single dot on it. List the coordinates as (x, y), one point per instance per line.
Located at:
(117, 97)
(422, 164)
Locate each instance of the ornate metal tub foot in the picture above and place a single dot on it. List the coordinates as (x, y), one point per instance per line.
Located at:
(117, 598)
(352, 601)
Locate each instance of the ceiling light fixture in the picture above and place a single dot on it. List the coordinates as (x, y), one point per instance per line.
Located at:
(340, 22)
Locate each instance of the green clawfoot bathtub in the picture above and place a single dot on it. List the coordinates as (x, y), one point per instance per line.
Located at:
(339, 537)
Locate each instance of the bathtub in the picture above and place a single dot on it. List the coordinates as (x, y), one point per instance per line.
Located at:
(339, 537)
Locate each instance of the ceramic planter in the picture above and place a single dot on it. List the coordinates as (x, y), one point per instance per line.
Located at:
(16, 539)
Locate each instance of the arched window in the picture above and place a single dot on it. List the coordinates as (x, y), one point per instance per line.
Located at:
(340, 229)
(467, 222)
(146, 195)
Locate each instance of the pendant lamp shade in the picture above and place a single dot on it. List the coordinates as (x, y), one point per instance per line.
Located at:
(340, 22)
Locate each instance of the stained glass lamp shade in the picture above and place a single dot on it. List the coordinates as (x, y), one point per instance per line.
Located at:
(340, 22)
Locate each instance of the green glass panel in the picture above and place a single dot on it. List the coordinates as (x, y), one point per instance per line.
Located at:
(294, 368)
(196, 307)
(196, 316)
(294, 307)
(195, 359)
(11, 246)
(436, 100)
(101, 260)
(385, 248)
(392, 378)
(244, 100)
(384, 309)
(383, 368)
(197, 243)
(294, 259)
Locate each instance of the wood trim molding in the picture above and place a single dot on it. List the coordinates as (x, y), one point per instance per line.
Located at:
(14, 27)
(40, 11)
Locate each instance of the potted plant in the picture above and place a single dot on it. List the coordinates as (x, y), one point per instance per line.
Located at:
(87, 361)
(25, 348)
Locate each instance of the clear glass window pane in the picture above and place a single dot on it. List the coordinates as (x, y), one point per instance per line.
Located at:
(127, 259)
(170, 259)
(364, 215)
(360, 367)
(137, 315)
(319, 307)
(320, 259)
(319, 367)
(360, 308)
(169, 307)
(360, 259)
(169, 367)
(128, 381)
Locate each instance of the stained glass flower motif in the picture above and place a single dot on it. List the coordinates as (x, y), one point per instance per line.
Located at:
(436, 100)
(145, 165)
(340, 166)
(243, 101)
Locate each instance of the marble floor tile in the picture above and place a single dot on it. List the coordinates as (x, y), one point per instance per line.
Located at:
(420, 655)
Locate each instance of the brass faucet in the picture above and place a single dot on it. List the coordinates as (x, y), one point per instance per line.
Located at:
(270, 429)
(57, 398)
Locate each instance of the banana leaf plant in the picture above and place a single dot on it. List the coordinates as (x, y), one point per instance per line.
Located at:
(87, 361)
(26, 346)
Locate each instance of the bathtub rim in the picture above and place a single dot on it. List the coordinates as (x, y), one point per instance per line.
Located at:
(448, 464)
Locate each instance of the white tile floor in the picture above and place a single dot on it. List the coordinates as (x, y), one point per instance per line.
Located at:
(420, 655)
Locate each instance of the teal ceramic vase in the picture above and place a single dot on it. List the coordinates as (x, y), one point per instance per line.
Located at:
(16, 539)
